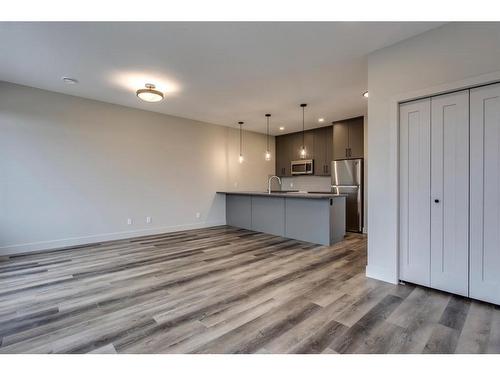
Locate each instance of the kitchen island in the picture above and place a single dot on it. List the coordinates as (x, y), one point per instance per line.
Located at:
(311, 217)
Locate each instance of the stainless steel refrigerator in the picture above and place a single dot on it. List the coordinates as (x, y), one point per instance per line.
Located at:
(347, 178)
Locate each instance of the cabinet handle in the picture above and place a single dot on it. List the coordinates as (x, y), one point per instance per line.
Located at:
(326, 168)
(350, 152)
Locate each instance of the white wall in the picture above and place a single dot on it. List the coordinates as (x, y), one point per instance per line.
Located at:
(451, 53)
(365, 174)
(73, 170)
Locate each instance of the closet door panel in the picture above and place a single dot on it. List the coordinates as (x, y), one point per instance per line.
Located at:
(485, 194)
(450, 192)
(415, 145)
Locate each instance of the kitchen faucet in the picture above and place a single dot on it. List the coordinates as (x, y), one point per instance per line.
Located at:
(269, 183)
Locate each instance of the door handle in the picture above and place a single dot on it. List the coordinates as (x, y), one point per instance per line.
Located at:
(436, 200)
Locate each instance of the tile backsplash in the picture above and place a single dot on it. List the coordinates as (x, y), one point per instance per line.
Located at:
(306, 183)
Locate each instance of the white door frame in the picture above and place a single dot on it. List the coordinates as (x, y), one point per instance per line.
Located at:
(468, 83)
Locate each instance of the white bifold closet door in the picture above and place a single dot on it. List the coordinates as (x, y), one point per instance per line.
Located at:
(485, 193)
(415, 192)
(450, 192)
(434, 192)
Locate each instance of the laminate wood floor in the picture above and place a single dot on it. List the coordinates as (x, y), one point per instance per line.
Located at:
(227, 290)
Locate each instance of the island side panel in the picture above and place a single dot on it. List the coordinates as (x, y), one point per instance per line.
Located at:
(239, 211)
(268, 215)
(337, 220)
(308, 220)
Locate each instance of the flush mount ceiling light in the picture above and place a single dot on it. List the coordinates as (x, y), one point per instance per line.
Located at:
(282, 128)
(149, 94)
(69, 80)
(321, 119)
(268, 153)
(365, 94)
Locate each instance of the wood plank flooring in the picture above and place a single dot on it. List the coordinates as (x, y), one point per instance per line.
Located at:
(227, 290)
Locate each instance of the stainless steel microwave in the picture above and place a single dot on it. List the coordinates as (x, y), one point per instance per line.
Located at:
(300, 167)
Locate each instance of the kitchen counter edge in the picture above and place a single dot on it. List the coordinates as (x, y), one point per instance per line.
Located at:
(285, 195)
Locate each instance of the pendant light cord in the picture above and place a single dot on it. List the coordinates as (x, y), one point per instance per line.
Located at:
(303, 128)
(267, 133)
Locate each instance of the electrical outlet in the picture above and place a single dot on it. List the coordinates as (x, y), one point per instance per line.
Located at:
(198, 215)
(291, 184)
(129, 221)
(148, 219)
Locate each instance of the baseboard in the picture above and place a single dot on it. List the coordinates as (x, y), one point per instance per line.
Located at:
(382, 274)
(84, 240)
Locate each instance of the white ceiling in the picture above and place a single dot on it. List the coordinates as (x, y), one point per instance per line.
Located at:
(215, 72)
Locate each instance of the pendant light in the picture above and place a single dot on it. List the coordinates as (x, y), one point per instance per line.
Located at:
(303, 149)
(240, 159)
(268, 153)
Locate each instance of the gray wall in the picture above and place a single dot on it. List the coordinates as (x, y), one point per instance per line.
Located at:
(453, 52)
(74, 170)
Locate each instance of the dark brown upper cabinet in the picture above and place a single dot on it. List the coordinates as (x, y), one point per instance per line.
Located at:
(318, 144)
(348, 136)
(297, 140)
(323, 150)
(283, 148)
